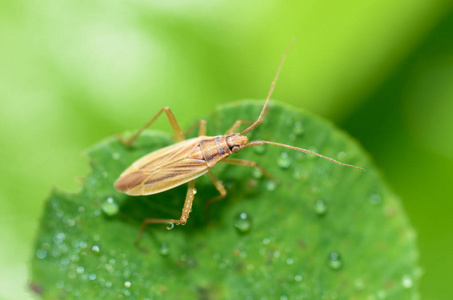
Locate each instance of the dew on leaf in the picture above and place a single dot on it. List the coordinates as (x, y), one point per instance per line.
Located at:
(259, 149)
(284, 161)
(110, 207)
(41, 253)
(243, 222)
(335, 261)
(271, 185)
(164, 250)
(298, 128)
(407, 282)
(375, 198)
(320, 207)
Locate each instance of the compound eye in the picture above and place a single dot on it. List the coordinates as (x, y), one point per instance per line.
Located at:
(236, 149)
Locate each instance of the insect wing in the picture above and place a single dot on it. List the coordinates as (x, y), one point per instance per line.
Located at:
(163, 169)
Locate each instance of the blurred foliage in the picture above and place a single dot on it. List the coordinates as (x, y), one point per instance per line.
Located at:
(74, 72)
(323, 232)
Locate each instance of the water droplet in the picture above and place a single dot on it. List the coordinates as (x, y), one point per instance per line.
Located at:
(284, 161)
(359, 284)
(92, 276)
(283, 297)
(259, 149)
(59, 238)
(194, 191)
(95, 248)
(70, 222)
(170, 226)
(381, 294)
(289, 261)
(320, 207)
(243, 222)
(341, 155)
(164, 250)
(266, 241)
(108, 284)
(407, 282)
(271, 185)
(375, 198)
(80, 270)
(335, 262)
(110, 207)
(59, 284)
(41, 253)
(127, 284)
(116, 156)
(298, 128)
(257, 173)
(298, 278)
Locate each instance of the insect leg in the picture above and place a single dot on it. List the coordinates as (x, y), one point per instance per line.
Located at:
(201, 130)
(236, 126)
(171, 118)
(219, 186)
(187, 208)
(248, 163)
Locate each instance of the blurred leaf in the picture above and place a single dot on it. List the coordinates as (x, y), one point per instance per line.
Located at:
(324, 231)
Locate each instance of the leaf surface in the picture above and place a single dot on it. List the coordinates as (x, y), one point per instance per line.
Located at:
(322, 231)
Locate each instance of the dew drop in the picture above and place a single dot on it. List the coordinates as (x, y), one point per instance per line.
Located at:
(164, 250)
(95, 248)
(271, 185)
(284, 161)
(335, 262)
(298, 128)
(243, 222)
(92, 276)
(127, 284)
(257, 173)
(320, 207)
(381, 294)
(407, 282)
(359, 284)
(283, 297)
(266, 241)
(170, 226)
(110, 207)
(375, 198)
(41, 253)
(289, 261)
(80, 270)
(194, 191)
(298, 278)
(116, 156)
(259, 149)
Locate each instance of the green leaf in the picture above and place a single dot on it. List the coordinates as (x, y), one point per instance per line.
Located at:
(322, 231)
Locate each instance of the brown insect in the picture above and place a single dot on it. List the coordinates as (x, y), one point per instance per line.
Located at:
(187, 160)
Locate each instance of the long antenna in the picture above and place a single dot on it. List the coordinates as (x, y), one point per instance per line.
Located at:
(258, 121)
(257, 143)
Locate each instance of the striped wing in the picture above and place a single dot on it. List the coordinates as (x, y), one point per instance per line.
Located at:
(164, 169)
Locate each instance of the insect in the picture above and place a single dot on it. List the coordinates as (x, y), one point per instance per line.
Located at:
(187, 160)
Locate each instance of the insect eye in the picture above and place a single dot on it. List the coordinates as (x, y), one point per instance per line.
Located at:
(236, 149)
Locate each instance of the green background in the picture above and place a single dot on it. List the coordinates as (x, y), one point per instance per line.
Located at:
(75, 72)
